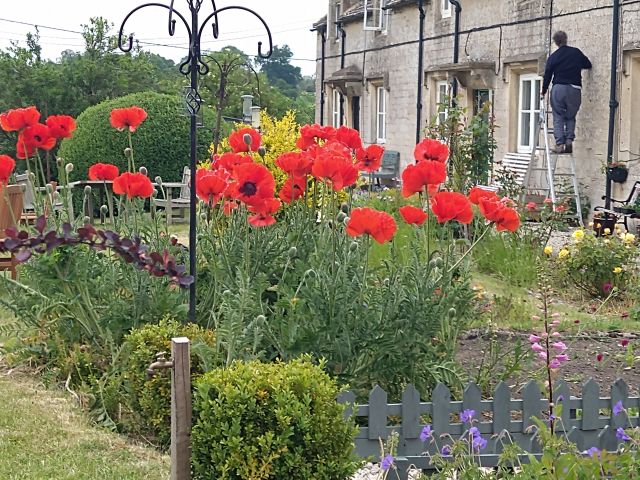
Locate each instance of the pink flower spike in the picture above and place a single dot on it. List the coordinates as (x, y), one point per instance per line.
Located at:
(560, 346)
(555, 315)
(555, 323)
(535, 317)
(562, 358)
(542, 355)
(544, 334)
(534, 338)
(555, 334)
(554, 364)
(536, 347)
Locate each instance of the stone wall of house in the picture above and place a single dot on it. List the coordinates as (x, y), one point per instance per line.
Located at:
(514, 36)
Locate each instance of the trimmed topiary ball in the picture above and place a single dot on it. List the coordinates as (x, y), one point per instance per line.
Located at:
(271, 421)
(161, 142)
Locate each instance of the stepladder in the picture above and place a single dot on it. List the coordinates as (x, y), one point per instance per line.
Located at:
(549, 174)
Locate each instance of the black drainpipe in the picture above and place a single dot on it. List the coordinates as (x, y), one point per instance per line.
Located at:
(613, 102)
(420, 72)
(456, 46)
(323, 33)
(343, 36)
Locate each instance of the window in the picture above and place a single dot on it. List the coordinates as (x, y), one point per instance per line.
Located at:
(335, 108)
(375, 15)
(480, 98)
(528, 109)
(381, 115)
(445, 9)
(337, 13)
(442, 100)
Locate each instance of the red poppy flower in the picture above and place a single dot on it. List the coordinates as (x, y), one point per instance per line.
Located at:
(295, 163)
(38, 136)
(430, 149)
(379, 225)
(476, 193)
(349, 137)
(229, 160)
(210, 185)
(333, 165)
(61, 126)
(22, 149)
(131, 118)
(133, 185)
(264, 211)
(253, 183)
(7, 164)
(292, 189)
(369, 159)
(509, 220)
(237, 143)
(312, 134)
(413, 215)
(491, 208)
(103, 171)
(19, 119)
(451, 206)
(416, 177)
(531, 206)
(228, 207)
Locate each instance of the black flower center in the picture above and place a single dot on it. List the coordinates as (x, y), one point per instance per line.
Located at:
(248, 189)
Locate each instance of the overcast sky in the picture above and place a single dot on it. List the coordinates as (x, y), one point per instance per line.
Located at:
(289, 20)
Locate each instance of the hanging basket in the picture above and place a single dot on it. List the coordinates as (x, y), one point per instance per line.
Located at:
(617, 174)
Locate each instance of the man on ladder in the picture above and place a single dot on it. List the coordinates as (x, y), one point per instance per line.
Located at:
(565, 65)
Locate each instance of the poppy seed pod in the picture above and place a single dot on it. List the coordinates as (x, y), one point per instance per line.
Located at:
(104, 210)
(87, 190)
(68, 167)
(261, 151)
(341, 216)
(293, 251)
(247, 139)
(261, 318)
(127, 152)
(143, 170)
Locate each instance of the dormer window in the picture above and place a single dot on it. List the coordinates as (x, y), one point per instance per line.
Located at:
(445, 9)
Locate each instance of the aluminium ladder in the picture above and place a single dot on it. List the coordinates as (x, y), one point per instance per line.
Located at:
(541, 176)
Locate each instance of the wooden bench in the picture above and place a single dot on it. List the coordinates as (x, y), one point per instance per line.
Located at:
(9, 214)
(518, 163)
(389, 169)
(182, 203)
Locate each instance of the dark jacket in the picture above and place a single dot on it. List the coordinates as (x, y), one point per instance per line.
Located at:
(565, 66)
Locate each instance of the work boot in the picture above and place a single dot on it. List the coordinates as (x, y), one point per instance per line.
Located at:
(568, 147)
(558, 149)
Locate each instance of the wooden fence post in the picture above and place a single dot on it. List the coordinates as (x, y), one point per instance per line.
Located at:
(180, 409)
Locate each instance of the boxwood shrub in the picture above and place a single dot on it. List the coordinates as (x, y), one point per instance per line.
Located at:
(270, 421)
(146, 402)
(161, 143)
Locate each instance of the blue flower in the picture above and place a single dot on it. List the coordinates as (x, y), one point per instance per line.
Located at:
(467, 416)
(426, 433)
(479, 443)
(387, 462)
(621, 435)
(446, 451)
(593, 452)
(618, 408)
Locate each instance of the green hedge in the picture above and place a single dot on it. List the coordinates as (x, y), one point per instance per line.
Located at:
(161, 143)
(270, 421)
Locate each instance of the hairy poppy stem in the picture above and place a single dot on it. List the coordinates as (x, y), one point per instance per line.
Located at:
(133, 164)
(455, 265)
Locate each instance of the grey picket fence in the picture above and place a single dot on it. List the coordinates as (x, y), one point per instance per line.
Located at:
(587, 421)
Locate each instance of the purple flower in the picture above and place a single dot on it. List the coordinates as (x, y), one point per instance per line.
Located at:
(618, 408)
(479, 443)
(560, 398)
(607, 287)
(467, 416)
(534, 338)
(621, 435)
(387, 462)
(426, 433)
(593, 452)
(446, 451)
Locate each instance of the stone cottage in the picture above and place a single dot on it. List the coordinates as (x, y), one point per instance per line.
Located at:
(384, 65)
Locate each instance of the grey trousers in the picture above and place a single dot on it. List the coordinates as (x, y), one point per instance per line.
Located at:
(565, 103)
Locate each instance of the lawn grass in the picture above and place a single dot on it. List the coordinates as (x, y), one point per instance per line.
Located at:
(44, 436)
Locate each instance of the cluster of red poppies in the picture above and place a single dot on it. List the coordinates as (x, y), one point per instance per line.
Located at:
(7, 164)
(32, 134)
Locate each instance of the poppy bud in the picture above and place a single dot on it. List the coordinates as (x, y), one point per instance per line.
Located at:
(227, 293)
(261, 318)
(344, 207)
(59, 162)
(174, 239)
(68, 167)
(432, 263)
(452, 312)
(86, 220)
(262, 151)
(353, 247)
(247, 139)
(439, 262)
(143, 170)
(341, 216)
(158, 180)
(310, 273)
(293, 251)
(87, 190)
(49, 188)
(104, 209)
(203, 216)
(127, 152)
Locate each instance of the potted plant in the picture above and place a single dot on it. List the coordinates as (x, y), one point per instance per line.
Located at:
(617, 172)
(604, 223)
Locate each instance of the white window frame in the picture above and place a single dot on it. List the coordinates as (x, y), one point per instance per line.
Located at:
(445, 8)
(376, 17)
(442, 87)
(536, 83)
(381, 114)
(337, 11)
(335, 108)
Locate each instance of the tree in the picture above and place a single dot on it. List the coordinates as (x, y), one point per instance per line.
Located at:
(278, 67)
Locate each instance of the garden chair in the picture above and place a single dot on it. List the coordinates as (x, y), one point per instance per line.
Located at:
(179, 204)
(389, 169)
(625, 209)
(29, 209)
(15, 194)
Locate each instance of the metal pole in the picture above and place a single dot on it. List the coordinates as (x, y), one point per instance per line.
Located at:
(323, 34)
(195, 52)
(613, 101)
(456, 47)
